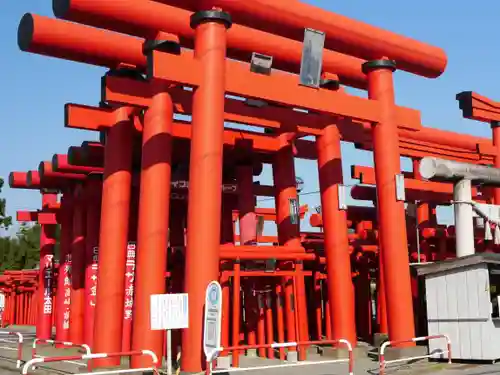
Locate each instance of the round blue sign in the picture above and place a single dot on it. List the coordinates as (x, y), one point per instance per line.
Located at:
(213, 294)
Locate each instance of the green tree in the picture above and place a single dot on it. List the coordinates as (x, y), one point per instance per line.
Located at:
(28, 240)
(22, 250)
(5, 221)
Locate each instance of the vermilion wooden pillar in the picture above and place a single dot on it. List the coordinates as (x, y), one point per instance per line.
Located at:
(248, 236)
(246, 205)
(423, 217)
(391, 212)
(227, 237)
(288, 220)
(381, 303)
(261, 323)
(237, 312)
(130, 266)
(495, 126)
(363, 310)
(338, 263)
(176, 264)
(47, 243)
(154, 210)
(115, 204)
(63, 300)
(268, 305)
(205, 177)
(93, 189)
(78, 268)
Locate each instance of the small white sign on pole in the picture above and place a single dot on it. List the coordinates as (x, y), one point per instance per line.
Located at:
(212, 319)
(169, 311)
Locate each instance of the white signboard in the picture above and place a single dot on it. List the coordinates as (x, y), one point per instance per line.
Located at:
(212, 322)
(169, 311)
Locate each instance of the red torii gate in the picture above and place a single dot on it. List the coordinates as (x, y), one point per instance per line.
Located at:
(46, 217)
(73, 219)
(379, 113)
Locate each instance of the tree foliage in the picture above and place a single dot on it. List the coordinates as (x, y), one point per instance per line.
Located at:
(5, 221)
(22, 250)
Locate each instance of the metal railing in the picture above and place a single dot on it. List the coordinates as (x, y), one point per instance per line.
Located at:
(213, 356)
(154, 368)
(383, 362)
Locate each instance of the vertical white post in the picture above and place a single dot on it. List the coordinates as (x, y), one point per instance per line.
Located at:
(464, 226)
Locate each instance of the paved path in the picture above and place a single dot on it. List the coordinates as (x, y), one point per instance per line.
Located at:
(363, 366)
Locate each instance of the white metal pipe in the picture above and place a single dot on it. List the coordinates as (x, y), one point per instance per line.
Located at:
(431, 168)
(464, 225)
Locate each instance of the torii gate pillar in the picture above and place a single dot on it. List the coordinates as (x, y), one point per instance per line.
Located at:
(47, 243)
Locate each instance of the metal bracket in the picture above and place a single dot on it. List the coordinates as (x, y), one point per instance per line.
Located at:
(400, 187)
(329, 84)
(256, 103)
(261, 64)
(411, 210)
(49, 191)
(311, 64)
(270, 265)
(126, 72)
(293, 204)
(168, 46)
(342, 194)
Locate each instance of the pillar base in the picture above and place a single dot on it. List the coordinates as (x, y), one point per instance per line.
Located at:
(379, 339)
(342, 353)
(292, 357)
(400, 353)
(223, 362)
(251, 353)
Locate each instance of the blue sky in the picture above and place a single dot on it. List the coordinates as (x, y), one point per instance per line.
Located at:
(35, 88)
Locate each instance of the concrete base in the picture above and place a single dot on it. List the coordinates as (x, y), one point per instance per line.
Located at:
(399, 353)
(312, 350)
(251, 353)
(379, 339)
(341, 353)
(224, 362)
(292, 357)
